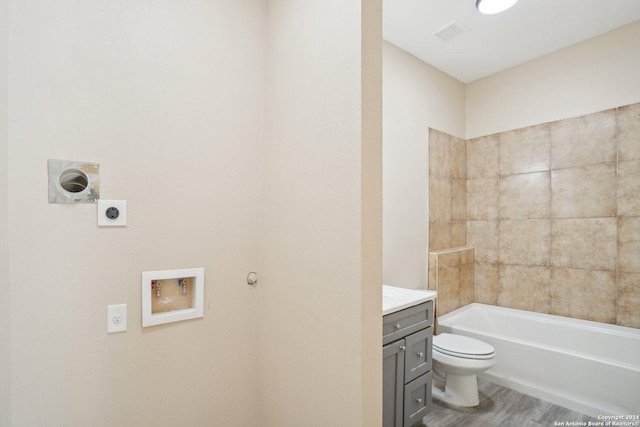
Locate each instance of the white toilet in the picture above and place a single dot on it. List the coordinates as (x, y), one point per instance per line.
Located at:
(456, 361)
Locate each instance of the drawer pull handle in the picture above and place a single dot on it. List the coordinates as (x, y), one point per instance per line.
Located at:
(403, 348)
(420, 354)
(397, 325)
(419, 400)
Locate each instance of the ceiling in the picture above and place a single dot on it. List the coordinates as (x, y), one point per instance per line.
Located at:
(532, 28)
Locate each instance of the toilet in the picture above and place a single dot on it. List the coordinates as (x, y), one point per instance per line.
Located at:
(457, 359)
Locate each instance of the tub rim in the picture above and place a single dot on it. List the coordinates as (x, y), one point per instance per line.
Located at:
(544, 318)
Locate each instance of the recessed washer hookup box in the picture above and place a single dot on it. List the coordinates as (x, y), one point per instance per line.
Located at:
(172, 295)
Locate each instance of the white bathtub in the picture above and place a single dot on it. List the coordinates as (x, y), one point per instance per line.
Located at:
(590, 367)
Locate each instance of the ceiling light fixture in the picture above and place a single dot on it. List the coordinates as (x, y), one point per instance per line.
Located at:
(491, 7)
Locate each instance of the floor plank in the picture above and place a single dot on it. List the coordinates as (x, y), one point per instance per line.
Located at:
(500, 406)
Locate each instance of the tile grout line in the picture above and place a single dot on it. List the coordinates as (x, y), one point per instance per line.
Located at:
(550, 218)
(617, 143)
(466, 228)
(499, 215)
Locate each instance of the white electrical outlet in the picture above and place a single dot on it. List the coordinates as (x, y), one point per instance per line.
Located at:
(112, 213)
(116, 318)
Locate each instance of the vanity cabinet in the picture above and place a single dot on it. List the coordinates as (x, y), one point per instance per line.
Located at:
(407, 338)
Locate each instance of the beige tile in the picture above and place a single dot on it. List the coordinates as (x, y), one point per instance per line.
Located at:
(433, 272)
(584, 294)
(629, 132)
(588, 243)
(629, 188)
(466, 284)
(483, 236)
(467, 256)
(485, 283)
(458, 234)
(629, 300)
(439, 235)
(458, 199)
(448, 259)
(439, 199)
(449, 280)
(585, 140)
(446, 235)
(439, 154)
(482, 199)
(458, 158)
(525, 196)
(448, 290)
(525, 242)
(585, 192)
(629, 244)
(482, 157)
(524, 287)
(525, 150)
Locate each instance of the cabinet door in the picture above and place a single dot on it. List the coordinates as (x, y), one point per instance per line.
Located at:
(418, 354)
(417, 395)
(392, 384)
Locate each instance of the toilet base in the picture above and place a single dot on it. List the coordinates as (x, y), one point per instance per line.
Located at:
(460, 390)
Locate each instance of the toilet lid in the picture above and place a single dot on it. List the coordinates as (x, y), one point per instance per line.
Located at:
(462, 346)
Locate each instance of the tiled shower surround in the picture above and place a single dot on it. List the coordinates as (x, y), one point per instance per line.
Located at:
(553, 212)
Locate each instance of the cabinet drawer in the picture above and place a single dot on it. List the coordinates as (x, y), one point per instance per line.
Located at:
(417, 395)
(417, 354)
(405, 322)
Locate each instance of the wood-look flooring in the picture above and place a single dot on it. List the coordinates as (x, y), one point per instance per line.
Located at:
(503, 407)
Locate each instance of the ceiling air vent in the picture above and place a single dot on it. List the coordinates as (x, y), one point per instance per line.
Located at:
(450, 31)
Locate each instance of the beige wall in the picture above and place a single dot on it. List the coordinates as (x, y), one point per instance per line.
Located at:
(5, 360)
(315, 333)
(591, 76)
(416, 97)
(371, 214)
(168, 97)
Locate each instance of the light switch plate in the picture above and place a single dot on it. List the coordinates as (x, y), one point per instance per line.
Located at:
(112, 213)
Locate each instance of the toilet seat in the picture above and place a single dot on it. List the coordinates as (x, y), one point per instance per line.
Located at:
(462, 346)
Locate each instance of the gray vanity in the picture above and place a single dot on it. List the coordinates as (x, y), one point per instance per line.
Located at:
(406, 338)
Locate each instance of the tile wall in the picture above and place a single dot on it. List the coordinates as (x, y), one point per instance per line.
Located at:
(447, 191)
(553, 212)
(451, 275)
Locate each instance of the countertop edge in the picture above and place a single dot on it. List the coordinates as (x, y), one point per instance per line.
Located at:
(412, 301)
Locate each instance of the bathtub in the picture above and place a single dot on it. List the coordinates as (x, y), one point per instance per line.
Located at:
(589, 367)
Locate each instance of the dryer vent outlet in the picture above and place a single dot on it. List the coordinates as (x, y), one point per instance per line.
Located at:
(73, 182)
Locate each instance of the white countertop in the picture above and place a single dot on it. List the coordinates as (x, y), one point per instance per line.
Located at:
(396, 299)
